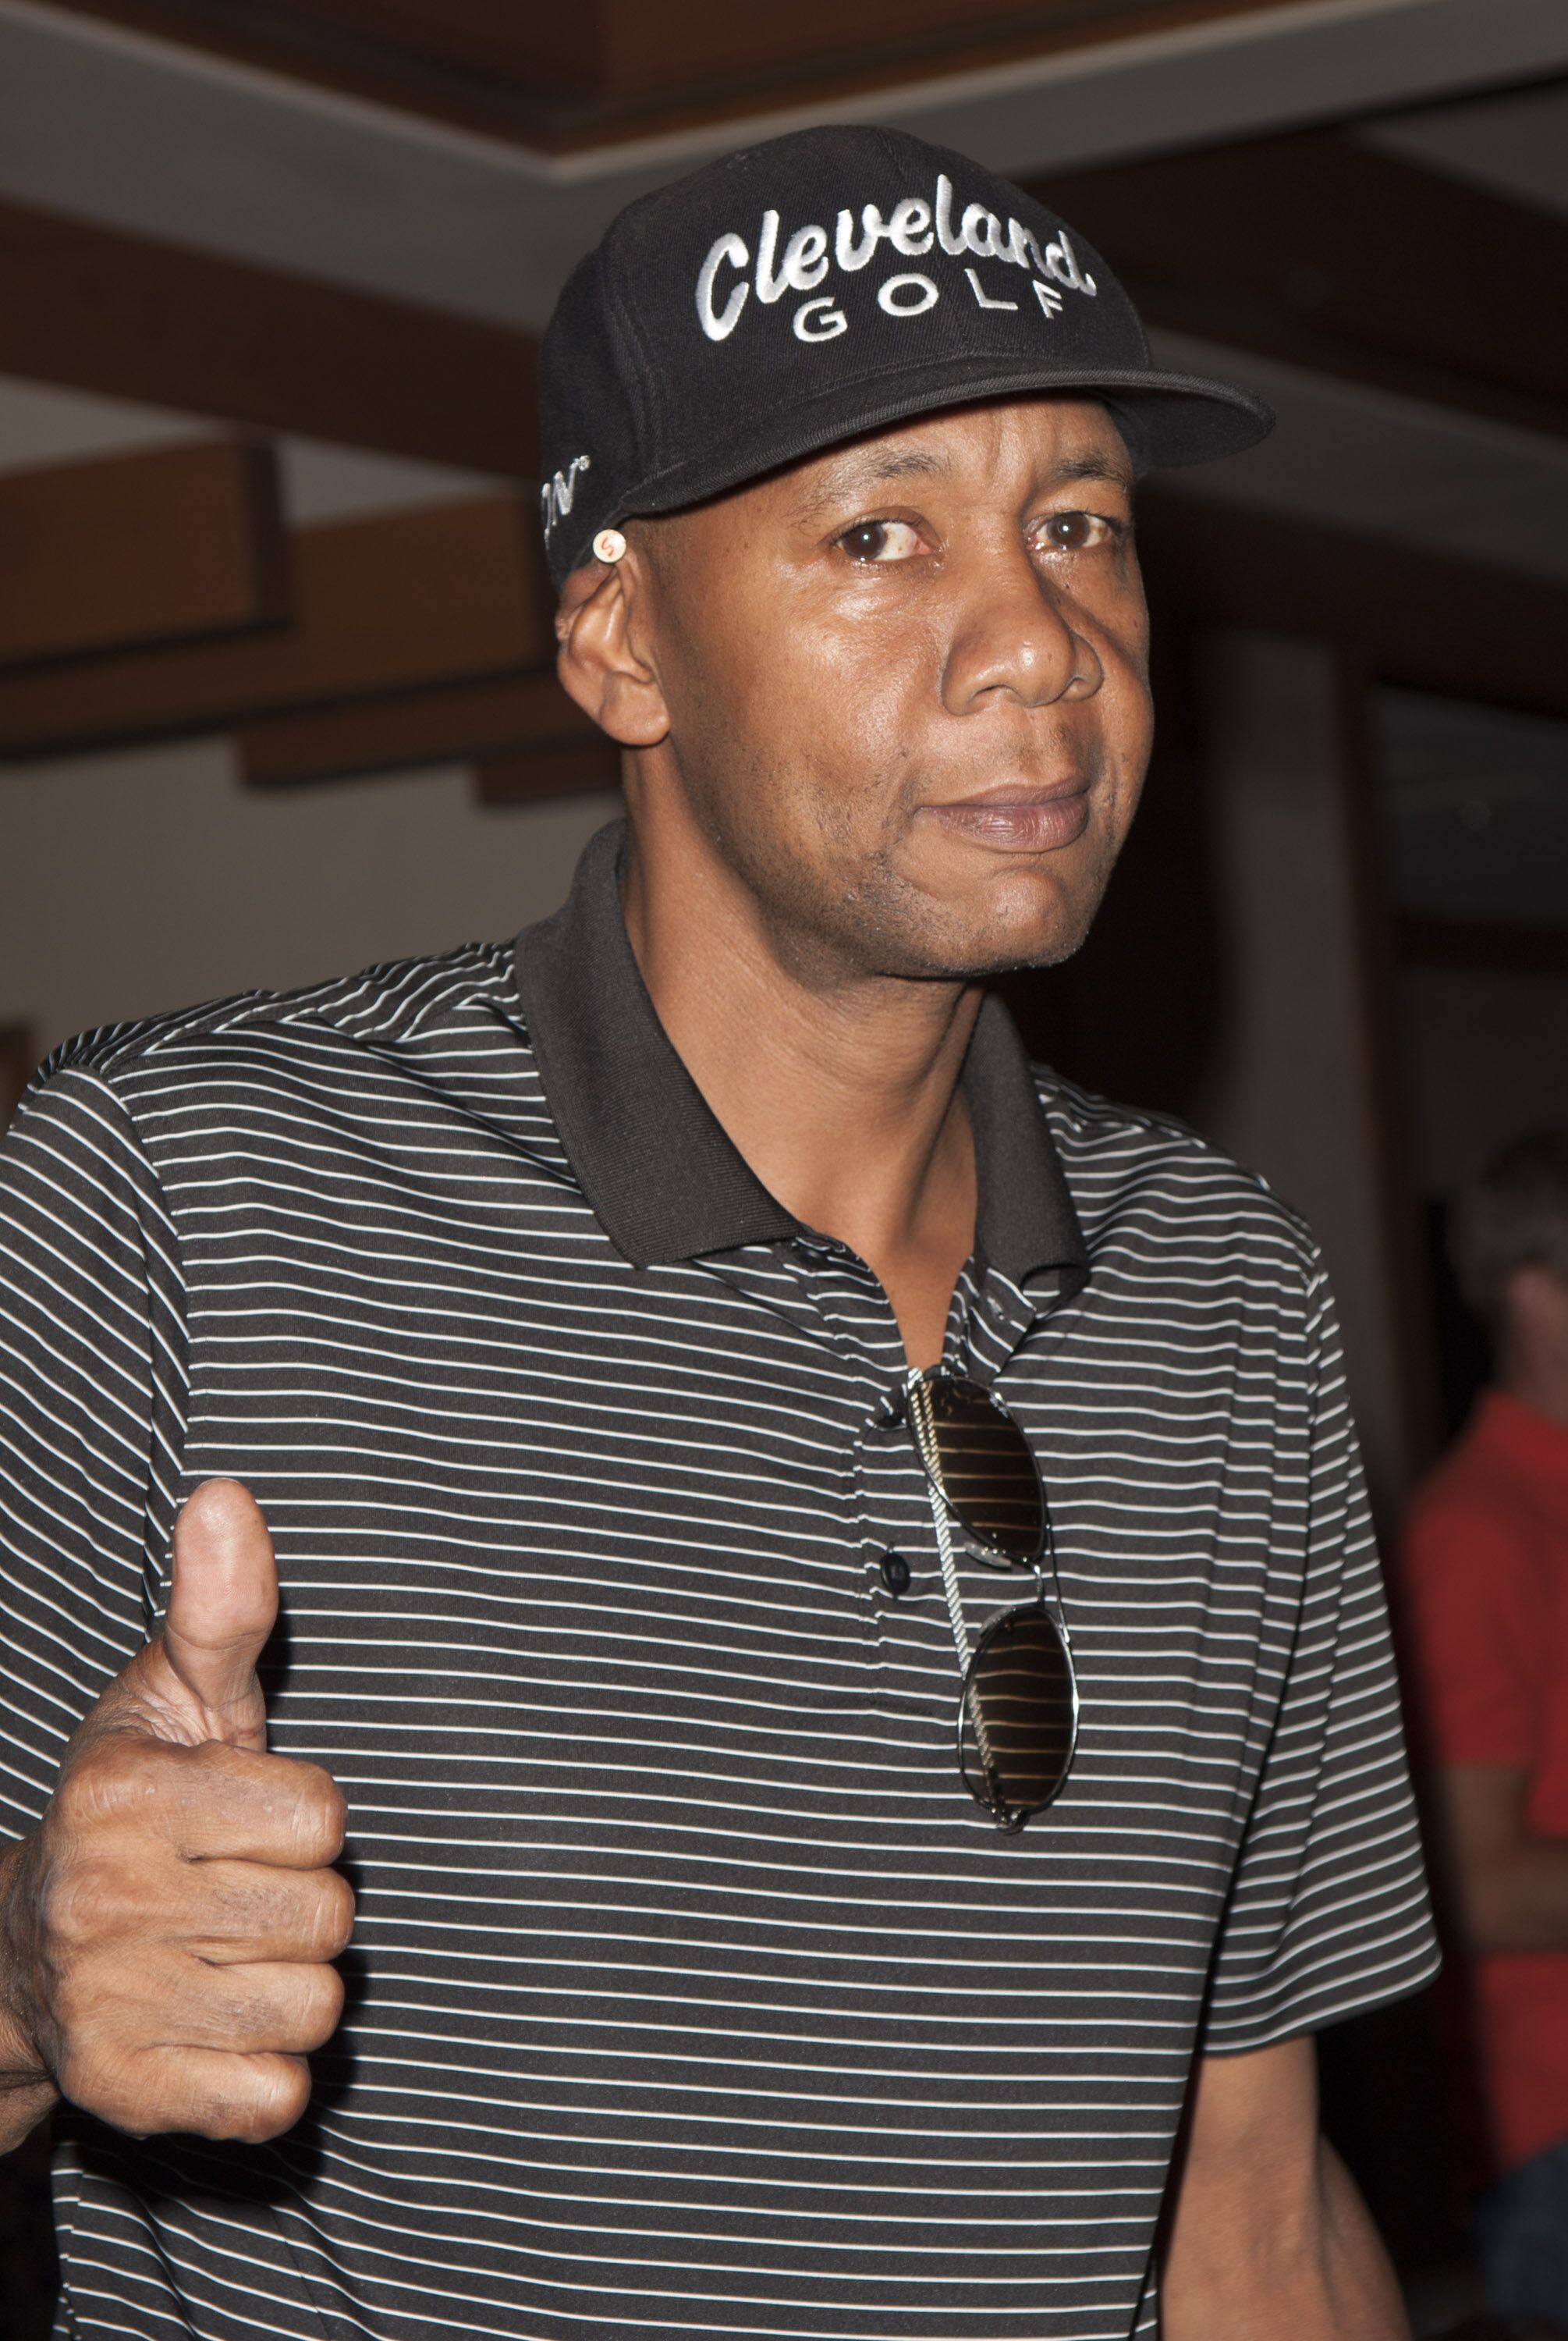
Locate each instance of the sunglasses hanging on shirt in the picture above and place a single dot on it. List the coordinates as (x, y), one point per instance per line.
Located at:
(1019, 1706)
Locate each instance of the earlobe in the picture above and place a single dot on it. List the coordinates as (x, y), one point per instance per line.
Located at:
(597, 663)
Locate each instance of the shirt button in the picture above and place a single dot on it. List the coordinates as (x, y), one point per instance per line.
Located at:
(895, 1572)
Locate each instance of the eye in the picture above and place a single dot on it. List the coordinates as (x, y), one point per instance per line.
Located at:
(1071, 532)
(880, 541)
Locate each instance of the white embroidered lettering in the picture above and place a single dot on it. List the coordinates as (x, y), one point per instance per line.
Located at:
(806, 259)
(769, 287)
(819, 320)
(926, 296)
(1062, 262)
(1049, 299)
(556, 495)
(945, 236)
(982, 233)
(978, 292)
(719, 328)
(850, 254)
(909, 229)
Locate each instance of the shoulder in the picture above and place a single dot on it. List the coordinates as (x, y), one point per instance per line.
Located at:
(1136, 1175)
(258, 1035)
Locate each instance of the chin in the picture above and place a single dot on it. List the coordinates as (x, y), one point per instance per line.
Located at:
(966, 952)
(1032, 925)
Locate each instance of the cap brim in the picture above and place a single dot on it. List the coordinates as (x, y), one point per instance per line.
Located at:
(1168, 420)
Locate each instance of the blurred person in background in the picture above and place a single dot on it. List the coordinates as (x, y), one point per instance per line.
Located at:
(1485, 1566)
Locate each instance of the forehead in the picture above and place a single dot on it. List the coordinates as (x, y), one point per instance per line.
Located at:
(1007, 446)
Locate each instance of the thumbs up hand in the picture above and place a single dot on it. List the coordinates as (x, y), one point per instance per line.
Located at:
(167, 1934)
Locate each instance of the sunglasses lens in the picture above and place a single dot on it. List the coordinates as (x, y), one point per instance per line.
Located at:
(983, 1467)
(1020, 1714)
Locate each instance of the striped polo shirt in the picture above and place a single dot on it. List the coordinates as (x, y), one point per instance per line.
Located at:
(690, 1993)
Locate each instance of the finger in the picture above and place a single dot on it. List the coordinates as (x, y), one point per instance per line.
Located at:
(223, 1606)
(218, 1803)
(249, 1914)
(204, 1803)
(261, 2009)
(206, 2091)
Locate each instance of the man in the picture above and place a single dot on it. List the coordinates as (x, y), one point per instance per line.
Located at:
(636, 1344)
(1485, 1566)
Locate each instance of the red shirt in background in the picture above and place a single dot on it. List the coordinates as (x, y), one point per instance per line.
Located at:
(1484, 1577)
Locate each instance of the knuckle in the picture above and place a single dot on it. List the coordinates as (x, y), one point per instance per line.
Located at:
(87, 1903)
(71, 1905)
(117, 1779)
(333, 1916)
(309, 2015)
(258, 2099)
(326, 2006)
(278, 2091)
(321, 1813)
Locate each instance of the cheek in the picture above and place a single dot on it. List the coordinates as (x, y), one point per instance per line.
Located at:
(1127, 717)
(834, 715)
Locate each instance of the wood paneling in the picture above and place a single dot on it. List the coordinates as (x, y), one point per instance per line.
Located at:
(96, 310)
(1332, 255)
(171, 544)
(553, 769)
(453, 591)
(559, 78)
(450, 725)
(1415, 617)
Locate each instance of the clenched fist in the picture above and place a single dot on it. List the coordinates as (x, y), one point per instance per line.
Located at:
(167, 1934)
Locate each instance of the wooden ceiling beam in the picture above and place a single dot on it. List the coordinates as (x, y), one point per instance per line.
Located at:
(92, 308)
(1328, 254)
(558, 79)
(447, 723)
(169, 545)
(1427, 620)
(449, 593)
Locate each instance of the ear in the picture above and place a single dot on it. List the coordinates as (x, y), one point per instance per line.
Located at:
(597, 661)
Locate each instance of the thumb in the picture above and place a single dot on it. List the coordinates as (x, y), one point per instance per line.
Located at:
(222, 1605)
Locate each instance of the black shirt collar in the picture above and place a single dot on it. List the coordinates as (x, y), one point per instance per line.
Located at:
(665, 1180)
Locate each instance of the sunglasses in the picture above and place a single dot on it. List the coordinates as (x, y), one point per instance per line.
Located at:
(1018, 1707)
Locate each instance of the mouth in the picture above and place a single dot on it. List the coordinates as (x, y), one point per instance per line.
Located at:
(1018, 817)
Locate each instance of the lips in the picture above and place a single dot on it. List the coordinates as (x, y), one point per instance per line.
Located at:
(1017, 819)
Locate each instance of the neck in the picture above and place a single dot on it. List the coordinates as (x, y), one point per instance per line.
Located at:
(841, 1089)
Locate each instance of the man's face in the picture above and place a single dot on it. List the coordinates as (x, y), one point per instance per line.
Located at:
(907, 685)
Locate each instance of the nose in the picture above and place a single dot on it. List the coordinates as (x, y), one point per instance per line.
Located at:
(1013, 636)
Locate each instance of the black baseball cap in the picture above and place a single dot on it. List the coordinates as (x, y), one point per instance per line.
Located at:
(796, 293)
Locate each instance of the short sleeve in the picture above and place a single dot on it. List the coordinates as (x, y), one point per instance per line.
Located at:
(92, 1401)
(1328, 1911)
(1471, 1607)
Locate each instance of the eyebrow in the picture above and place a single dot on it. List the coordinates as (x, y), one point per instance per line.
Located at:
(855, 475)
(870, 467)
(1098, 467)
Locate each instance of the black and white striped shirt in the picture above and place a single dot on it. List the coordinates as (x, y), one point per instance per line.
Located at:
(691, 1992)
